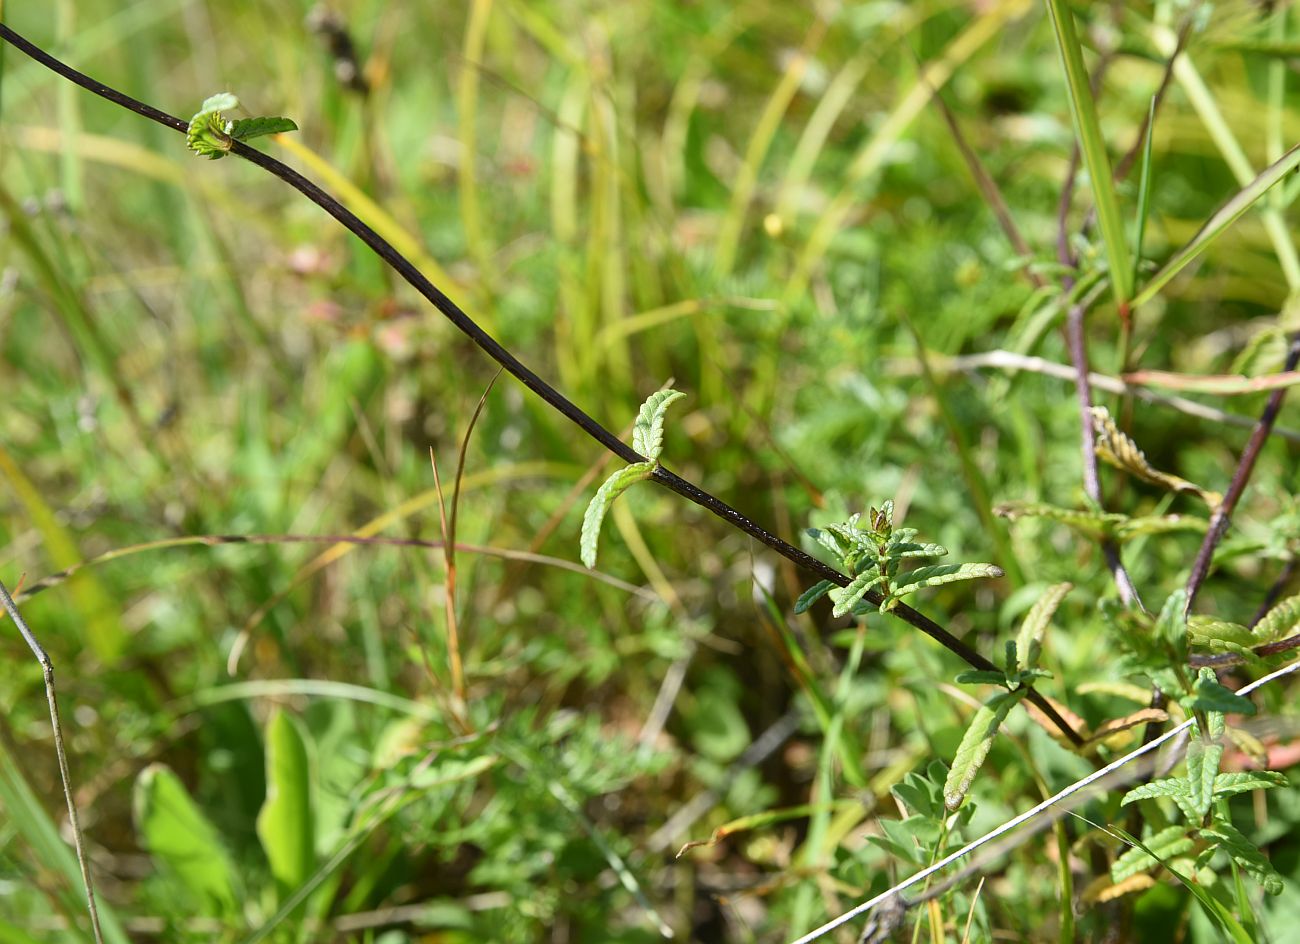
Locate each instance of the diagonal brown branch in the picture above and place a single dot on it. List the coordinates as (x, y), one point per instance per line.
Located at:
(494, 349)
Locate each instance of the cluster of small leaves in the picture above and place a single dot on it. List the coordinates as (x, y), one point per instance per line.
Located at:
(648, 440)
(872, 556)
(1022, 656)
(1208, 829)
(212, 135)
(918, 837)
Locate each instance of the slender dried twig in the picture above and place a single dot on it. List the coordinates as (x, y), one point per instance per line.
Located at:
(47, 667)
(1027, 815)
(493, 348)
(1240, 478)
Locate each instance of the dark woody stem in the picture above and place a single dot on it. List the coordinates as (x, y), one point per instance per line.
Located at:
(513, 365)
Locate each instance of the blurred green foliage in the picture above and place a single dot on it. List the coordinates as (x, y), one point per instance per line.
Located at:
(757, 201)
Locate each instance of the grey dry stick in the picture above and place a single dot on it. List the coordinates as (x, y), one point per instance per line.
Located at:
(47, 667)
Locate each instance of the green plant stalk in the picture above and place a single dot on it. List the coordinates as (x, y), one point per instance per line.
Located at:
(1093, 146)
(471, 216)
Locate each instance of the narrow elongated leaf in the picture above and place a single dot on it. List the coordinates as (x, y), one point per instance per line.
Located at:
(1246, 781)
(1222, 218)
(1246, 854)
(245, 129)
(286, 823)
(182, 841)
(846, 597)
(812, 595)
(1202, 767)
(1171, 624)
(1169, 787)
(1279, 622)
(981, 677)
(975, 745)
(615, 485)
(908, 549)
(1117, 449)
(1164, 845)
(940, 574)
(766, 818)
(26, 817)
(648, 433)
(1029, 641)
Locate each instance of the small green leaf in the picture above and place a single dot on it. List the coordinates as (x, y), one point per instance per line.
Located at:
(1246, 854)
(1247, 781)
(1171, 624)
(1203, 758)
(1211, 696)
(614, 486)
(1029, 641)
(981, 677)
(648, 433)
(975, 745)
(908, 549)
(222, 101)
(1216, 635)
(846, 597)
(940, 574)
(1279, 622)
(1164, 845)
(247, 128)
(1169, 787)
(285, 824)
(182, 840)
(812, 595)
(208, 134)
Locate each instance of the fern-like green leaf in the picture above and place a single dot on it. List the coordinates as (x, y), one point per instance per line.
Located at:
(975, 745)
(1202, 767)
(1094, 524)
(648, 433)
(940, 574)
(247, 128)
(1169, 787)
(1029, 641)
(1246, 854)
(1117, 449)
(1279, 622)
(908, 549)
(1164, 845)
(615, 485)
(1246, 781)
(846, 597)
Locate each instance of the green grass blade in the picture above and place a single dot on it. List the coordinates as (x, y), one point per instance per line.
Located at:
(1222, 218)
(1084, 109)
(30, 820)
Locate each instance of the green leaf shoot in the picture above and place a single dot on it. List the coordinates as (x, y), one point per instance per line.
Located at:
(212, 135)
(614, 486)
(648, 433)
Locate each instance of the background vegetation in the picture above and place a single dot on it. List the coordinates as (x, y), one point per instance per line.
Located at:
(758, 201)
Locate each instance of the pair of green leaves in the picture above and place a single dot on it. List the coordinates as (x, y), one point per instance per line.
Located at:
(873, 555)
(648, 440)
(212, 135)
(188, 848)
